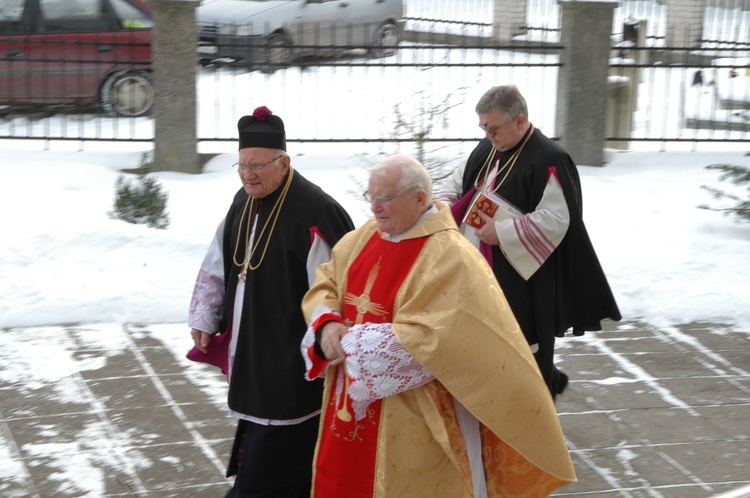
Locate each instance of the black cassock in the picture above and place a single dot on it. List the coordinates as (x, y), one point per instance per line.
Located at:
(267, 380)
(569, 290)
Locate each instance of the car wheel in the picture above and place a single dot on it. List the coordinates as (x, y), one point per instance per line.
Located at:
(386, 40)
(278, 53)
(127, 93)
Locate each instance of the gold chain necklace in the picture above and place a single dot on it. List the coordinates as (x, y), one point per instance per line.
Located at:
(274, 214)
(509, 165)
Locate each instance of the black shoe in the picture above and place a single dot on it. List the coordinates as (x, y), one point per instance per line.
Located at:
(562, 383)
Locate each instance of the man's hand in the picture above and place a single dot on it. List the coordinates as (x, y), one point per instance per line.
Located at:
(487, 233)
(200, 339)
(330, 342)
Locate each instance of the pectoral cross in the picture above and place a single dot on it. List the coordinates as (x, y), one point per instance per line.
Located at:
(243, 274)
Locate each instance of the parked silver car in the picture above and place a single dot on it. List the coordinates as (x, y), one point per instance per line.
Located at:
(269, 34)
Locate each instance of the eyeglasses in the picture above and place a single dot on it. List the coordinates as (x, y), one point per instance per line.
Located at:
(492, 130)
(385, 199)
(238, 166)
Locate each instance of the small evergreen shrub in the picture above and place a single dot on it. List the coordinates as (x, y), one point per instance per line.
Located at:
(141, 201)
(738, 175)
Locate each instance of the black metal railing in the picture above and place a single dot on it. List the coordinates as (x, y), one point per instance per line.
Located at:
(424, 89)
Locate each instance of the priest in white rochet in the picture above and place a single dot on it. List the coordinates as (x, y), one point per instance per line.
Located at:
(245, 314)
(431, 389)
(537, 243)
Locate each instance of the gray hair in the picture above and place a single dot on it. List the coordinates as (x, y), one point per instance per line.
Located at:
(506, 99)
(412, 172)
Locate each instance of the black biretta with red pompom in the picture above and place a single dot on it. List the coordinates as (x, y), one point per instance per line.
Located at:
(262, 129)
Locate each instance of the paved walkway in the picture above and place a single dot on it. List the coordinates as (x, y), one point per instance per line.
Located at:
(657, 412)
(106, 411)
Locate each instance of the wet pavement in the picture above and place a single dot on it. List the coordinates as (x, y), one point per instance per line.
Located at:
(657, 412)
(111, 410)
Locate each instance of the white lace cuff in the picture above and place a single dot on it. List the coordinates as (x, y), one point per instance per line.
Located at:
(378, 365)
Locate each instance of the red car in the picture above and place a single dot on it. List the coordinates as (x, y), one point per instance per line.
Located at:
(79, 53)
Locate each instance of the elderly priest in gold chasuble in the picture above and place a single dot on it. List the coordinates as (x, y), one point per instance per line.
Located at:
(430, 386)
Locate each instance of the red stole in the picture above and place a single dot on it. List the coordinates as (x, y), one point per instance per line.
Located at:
(347, 448)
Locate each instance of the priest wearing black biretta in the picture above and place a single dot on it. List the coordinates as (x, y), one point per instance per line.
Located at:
(245, 315)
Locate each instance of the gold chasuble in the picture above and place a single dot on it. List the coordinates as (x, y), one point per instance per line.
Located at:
(448, 312)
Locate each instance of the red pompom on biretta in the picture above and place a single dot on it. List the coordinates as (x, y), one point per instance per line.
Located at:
(261, 113)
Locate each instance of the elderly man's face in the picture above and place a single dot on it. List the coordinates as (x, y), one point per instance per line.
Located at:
(503, 134)
(395, 209)
(261, 170)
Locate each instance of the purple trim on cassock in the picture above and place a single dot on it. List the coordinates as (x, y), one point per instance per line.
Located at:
(316, 231)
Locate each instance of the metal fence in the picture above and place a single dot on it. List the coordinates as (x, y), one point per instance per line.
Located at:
(723, 23)
(661, 95)
(426, 91)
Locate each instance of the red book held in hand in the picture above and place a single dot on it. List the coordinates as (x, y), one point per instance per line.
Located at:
(492, 205)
